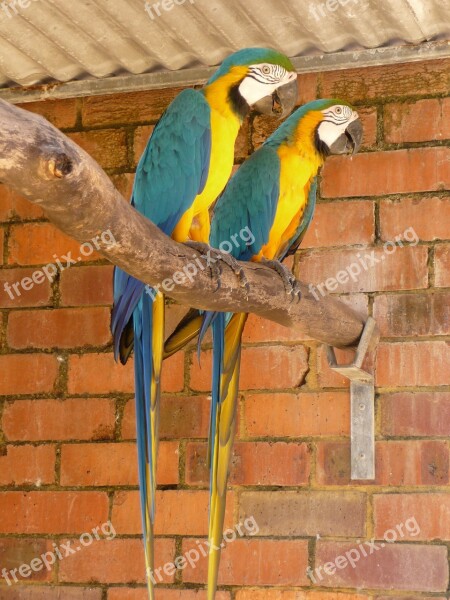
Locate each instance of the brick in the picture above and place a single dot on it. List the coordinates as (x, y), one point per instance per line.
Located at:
(99, 374)
(71, 419)
(262, 128)
(27, 465)
(13, 205)
(6, 203)
(18, 551)
(133, 107)
(87, 285)
(442, 265)
(403, 269)
(400, 80)
(380, 173)
(357, 302)
(418, 314)
(245, 562)
(265, 594)
(113, 464)
(413, 364)
(180, 417)
(307, 87)
(141, 137)
(114, 561)
(41, 372)
(162, 594)
(197, 467)
(426, 463)
(38, 295)
(260, 368)
(396, 463)
(40, 243)
(325, 376)
(421, 121)
(398, 216)
(369, 120)
(257, 329)
(258, 463)
(296, 415)
(44, 592)
(409, 598)
(423, 516)
(416, 414)
(241, 146)
(289, 513)
(52, 512)
(341, 224)
(124, 183)
(396, 566)
(60, 328)
(254, 463)
(61, 113)
(107, 146)
(179, 512)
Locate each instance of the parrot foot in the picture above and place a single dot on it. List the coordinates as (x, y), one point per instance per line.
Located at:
(212, 257)
(291, 284)
(237, 270)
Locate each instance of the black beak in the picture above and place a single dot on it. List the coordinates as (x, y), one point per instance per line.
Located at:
(281, 103)
(350, 141)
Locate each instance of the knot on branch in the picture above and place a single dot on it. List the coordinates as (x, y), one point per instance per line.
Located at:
(59, 166)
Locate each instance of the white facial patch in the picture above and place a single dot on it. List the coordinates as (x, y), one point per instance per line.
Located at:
(335, 123)
(260, 84)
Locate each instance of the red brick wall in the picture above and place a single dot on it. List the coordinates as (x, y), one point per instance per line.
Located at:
(67, 453)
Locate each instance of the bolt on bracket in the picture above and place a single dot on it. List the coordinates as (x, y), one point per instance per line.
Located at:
(362, 400)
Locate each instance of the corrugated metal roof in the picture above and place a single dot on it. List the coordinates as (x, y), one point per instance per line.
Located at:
(64, 40)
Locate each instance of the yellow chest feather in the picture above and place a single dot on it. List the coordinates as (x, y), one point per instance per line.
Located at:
(295, 179)
(224, 131)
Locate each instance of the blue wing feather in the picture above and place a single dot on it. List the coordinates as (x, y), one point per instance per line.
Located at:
(172, 171)
(174, 166)
(249, 200)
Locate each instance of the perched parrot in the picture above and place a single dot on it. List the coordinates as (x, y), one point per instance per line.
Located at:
(273, 194)
(185, 166)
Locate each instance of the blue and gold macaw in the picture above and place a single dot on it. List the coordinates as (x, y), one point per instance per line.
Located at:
(273, 194)
(185, 166)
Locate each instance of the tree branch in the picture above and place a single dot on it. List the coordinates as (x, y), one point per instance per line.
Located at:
(46, 167)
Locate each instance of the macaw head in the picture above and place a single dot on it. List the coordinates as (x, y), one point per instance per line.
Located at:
(330, 126)
(259, 78)
(340, 130)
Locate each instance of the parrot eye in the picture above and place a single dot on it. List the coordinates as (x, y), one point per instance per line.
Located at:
(338, 110)
(266, 70)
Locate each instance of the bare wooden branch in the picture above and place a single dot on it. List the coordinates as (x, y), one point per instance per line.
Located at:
(50, 170)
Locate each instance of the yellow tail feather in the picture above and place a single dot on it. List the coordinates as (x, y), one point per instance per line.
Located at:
(158, 309)
(188, 328)
(223, 446)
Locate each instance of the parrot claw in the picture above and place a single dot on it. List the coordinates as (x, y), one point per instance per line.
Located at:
(237, 270)
(291, 285)
(212, 256)
(296, 291)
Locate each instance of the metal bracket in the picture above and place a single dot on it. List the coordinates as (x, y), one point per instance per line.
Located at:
(362, 400)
